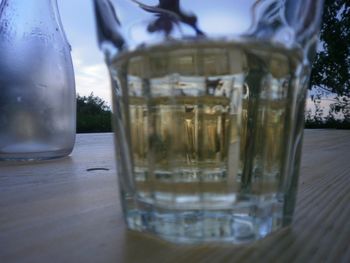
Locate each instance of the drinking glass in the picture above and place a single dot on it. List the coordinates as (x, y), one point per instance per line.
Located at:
(208, 111)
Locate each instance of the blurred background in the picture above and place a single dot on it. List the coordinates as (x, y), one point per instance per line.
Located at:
(328, 103)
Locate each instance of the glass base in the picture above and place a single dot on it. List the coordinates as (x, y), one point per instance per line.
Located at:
(34, 156)
(243, 223)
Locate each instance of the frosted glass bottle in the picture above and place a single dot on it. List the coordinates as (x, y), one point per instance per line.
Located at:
(37, 88)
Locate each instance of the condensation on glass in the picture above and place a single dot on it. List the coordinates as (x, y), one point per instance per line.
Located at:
(208, 100)
(37, 89)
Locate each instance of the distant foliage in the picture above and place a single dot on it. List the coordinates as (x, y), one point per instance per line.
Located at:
(93, 114)
(331, 68)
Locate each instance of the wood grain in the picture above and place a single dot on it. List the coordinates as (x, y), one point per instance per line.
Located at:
(68, 211)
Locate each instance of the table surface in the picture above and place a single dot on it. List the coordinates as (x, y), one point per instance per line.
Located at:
(59, 211)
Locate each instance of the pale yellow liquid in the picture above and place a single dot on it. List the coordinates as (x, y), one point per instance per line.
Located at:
(208, 119)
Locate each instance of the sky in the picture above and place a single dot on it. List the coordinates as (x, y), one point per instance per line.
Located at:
(91, 74)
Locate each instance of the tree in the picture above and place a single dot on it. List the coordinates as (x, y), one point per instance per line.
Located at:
(93, 114)
(331, 68)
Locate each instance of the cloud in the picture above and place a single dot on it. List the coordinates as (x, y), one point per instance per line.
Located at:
(91, 78)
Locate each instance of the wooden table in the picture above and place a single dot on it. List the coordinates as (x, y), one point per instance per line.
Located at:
(58, 211)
